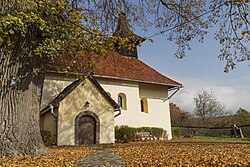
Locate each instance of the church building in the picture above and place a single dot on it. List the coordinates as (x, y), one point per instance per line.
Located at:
(123, 91)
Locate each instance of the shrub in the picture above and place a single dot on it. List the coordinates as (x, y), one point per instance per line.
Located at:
(157, 132)
(176, 132)
(124, 133)
(143, 129)
(46, 137)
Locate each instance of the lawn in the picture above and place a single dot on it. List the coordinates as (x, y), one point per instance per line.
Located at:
(197, 151)
(212, 139)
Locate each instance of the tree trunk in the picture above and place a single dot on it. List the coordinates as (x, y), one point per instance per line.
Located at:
(20, 102)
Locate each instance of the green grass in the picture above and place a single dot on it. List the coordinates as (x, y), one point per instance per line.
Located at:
(212, 139)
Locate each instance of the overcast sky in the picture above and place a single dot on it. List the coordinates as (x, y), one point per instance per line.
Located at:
(200, 70)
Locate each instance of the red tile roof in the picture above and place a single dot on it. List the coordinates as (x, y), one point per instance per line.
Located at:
(123, 67)
(126, 68)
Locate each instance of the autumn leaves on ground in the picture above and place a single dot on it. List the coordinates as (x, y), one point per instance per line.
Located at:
(150, 153)
(184, 154)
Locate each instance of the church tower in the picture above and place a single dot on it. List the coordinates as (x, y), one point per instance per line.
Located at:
(124, 31)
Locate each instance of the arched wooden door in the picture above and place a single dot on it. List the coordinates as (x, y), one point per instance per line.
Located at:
(87, 130)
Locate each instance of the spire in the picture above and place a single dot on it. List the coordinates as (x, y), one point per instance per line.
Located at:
(124, 31)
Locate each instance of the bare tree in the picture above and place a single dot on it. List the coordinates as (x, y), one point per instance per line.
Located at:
(207, 106)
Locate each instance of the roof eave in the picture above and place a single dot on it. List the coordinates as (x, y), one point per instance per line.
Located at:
(141, 81)
(171, 86)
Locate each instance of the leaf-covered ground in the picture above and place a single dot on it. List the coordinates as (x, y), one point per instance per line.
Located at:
(58, 156)
(152, 153)
(184, 154)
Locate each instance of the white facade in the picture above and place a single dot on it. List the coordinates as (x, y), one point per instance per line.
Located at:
(158, 114)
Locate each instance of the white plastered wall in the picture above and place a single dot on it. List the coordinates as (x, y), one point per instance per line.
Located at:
(131, 116)
(158, 107)
(53, 86)
(158, 115)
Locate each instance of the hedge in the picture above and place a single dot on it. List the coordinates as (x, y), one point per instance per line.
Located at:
(125, 133)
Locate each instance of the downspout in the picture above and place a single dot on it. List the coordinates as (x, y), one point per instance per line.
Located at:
(55, 125)
(178, 88)
(119, 112)
(172, 94)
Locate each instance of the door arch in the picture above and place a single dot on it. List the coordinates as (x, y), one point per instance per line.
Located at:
(87, 128)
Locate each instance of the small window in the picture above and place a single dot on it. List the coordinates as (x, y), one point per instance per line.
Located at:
(144, 105)
(122, 101)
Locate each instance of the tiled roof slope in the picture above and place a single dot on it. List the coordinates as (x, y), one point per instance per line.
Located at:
(122, 67)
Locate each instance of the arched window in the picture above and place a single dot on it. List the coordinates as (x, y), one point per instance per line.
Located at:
(122, 101)
(144, 105)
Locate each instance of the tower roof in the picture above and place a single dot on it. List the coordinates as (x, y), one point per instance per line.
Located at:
(123, 31)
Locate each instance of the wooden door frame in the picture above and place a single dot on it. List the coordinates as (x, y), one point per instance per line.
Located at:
(97, 126)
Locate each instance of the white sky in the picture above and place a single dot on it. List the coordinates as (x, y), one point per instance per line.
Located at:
(200, 70)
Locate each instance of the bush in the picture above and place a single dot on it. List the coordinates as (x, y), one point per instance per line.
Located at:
(143, 129)
(176, 132)
(125, 133)
(46, 137)
(157, 132)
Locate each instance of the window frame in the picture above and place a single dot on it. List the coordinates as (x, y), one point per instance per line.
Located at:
(122, 99)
